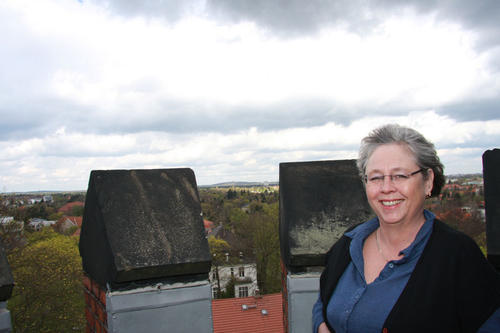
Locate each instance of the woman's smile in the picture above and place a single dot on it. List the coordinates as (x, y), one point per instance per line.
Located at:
(390, 203)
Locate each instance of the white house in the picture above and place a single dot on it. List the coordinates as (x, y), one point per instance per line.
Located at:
(37, 224)
(7, 223)
(35, 200)
(245, 275)
(6, 219)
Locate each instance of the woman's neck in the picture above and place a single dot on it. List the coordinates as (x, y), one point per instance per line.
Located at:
(396, 237)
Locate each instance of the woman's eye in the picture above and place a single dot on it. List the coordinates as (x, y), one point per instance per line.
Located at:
(400, 177)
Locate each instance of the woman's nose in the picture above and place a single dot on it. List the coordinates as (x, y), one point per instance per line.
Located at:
(387, 184)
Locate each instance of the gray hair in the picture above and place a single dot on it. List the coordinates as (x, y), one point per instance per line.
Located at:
(423, 150)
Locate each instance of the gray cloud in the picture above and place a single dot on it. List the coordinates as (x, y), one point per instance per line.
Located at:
(483, 142)
(34, 116)
(484, 109)
(473, 14)
(283, 17)
(292, 17)
(297, 17)
(117, 114)
(171, 10)
(27, 63)
(177, 116)
(481, 17)
(28, 117)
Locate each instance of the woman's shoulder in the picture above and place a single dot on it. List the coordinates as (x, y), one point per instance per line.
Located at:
(454, 240)
(443, 230)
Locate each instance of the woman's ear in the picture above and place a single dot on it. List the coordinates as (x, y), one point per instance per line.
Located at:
(429, 182)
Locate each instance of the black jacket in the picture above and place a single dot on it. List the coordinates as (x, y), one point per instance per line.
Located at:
(452, 289)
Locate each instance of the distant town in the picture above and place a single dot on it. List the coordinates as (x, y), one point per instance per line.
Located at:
(462, 179)
(64, 210)
(40, 232)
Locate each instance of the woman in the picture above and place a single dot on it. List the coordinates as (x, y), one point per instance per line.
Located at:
(404, 270)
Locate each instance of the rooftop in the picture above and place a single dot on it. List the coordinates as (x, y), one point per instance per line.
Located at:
(69, 206)
(263, 314)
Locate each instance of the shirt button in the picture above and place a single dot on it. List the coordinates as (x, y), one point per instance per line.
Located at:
(391, 265)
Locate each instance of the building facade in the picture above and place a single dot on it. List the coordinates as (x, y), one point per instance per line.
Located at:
(244, 275)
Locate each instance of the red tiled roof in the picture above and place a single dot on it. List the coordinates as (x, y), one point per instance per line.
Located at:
(229, 316)
(208, 224)
(69, 206)
(75, 219)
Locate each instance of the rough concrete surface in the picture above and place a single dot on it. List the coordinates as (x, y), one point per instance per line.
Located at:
(143, 224)
(318, 202)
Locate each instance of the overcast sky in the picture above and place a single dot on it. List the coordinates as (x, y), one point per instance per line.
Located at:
(231, 88)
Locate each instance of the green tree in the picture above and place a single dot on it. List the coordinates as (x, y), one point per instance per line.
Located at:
(218, 249)
(77, 197)
(253, 218)
(231, 194)
(77, 210)
(48, 295)
(237, 216)
(55, 216)
(38, 236)
(229, 289)
(11, 235)
(37, 210)
(267, 248)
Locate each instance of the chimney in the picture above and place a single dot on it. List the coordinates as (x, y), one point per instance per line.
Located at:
(318, 202)
(491, 179)
(6, 286)
(144, 253)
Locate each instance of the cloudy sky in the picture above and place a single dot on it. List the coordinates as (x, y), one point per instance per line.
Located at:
(231, 88)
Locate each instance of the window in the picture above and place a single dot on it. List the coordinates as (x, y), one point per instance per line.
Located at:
(232, 271)
(241, 271)
(242, 291)
(214, 293)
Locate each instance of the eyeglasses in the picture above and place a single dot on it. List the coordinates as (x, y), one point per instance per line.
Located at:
(396, 179)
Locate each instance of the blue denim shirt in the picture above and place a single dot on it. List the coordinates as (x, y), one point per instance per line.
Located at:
(356, 306)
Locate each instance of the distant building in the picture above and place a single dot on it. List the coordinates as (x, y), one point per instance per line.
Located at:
(37, 224)
(7, 223)
(35, 200)
(244, 274)
(209, 226)
(451, 189)
(6, 219)
(67, 222)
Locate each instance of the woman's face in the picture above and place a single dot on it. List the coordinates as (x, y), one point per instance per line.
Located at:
(398, 201)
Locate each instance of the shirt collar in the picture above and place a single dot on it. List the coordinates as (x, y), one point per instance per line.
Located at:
(361, 232)
(417, 245)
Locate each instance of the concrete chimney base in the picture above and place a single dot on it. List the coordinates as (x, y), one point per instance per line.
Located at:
(302, 290)
(180, 307)
(5, 323)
